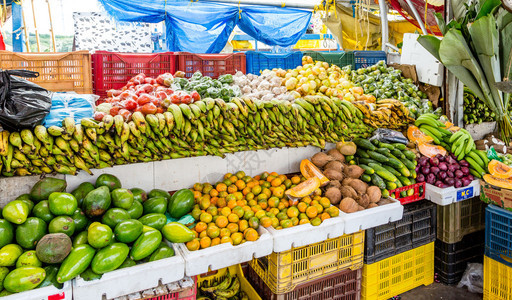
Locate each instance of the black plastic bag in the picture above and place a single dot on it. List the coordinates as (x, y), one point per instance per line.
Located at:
(23, 104)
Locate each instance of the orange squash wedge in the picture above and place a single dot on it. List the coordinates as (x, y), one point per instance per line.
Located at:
(309, 170)
(499, 169)
(430, 150)
(417, 136)
(499, 182)
(304, 189)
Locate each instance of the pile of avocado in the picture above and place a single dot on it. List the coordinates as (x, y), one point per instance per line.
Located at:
(48, 236)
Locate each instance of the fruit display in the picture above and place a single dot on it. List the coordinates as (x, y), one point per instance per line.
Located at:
(50, 236)
(265, 87)
(444, 171)
(385, 82)
(475, 110)
(500, 174)
(385, 113)
(387, 166)
(227, 288)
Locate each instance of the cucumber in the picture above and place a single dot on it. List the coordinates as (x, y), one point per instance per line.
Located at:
(406, 172)
(395, 163)
(397, 153)
(386, 145)
(385, 174)
(367, 170)
(404, 180)
(366, 178)
(383, 151)
(366, 161)
(409, 154)
(413, 174)
(375, 142)
(399, 146)
(377, 181)
(364, 143)
(349, 157)
(385, 193)
(378, 157)
(409, 164)
(391, 185)
(398, 183)
(392, 171)
(361, 153)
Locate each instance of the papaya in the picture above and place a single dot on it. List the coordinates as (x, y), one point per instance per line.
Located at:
(122, 198)
(80, 220)
(128, 231)
(304, 189)
(181, 203)
(430, 150)
(309, 170)
(24, 279)
(45, 187)
(96, 202)
(159, 193)
(6, 232)
(75, 263)
(154, 220)
(28, 259)
(155, 205)
(42, 211)
(30, 232)
(498, 182)
(162, 252)
(51, 277)
(53, 248)
(417, 136)
(139, 195)
(89, 275)
(128, 262)
(499, 169)
(81, 191)
(99, 235)
(62, 204)
(176, 232)
(80, 239)
(3, 272)
(15, 212)
(26, 198)
(108, 180)
(146, 228)
(62, 224)
(145, 244)
(113, 216)
(5, 293)
(109, 258)
(136, 210)
(9, 255)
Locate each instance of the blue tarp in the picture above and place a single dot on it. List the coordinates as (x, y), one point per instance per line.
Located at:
(204, 27)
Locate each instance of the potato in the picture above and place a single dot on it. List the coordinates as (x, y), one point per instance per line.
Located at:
(348, 191)
(337, 155)
(333, 174)
(364, 200)
(335, 165)
(321, 159)
(353, 171)
(374, 193)
(334, 195)
(359, 186)
(333, 183)
(349, 205)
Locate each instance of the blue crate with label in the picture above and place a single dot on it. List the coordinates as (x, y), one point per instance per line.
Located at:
(498, 234)
(365, 59)
(257, 61)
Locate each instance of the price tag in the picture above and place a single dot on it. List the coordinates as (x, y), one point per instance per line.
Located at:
(464, 194)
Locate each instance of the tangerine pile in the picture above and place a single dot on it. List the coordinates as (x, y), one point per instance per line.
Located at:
(233, 209)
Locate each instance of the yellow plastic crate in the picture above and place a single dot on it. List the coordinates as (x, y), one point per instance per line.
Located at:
(398, 274)
(219, 275)
(283, 271)
(497, 280)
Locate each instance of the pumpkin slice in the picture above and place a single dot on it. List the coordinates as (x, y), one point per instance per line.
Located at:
(309, 170)
(430, 150)
(304, 189)
(417, 136)
(499, 169)
(499, 182)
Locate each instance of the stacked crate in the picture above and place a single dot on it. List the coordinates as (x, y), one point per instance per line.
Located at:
(399, 256)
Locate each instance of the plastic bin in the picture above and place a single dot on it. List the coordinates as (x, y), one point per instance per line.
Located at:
(257, 61)
(338, 58)
(451, 260)
(373, 217)
(398, 274)
(45, 293)
(284, 271)
(498, 234)
(58, 72)
(218, 276)
(184, 289)
(112, 70)
(456, 220)
(364, 59)
(449, 195)
(419, 193)
(497, 280)
(416, 228)
(342, 285)
(212, 65)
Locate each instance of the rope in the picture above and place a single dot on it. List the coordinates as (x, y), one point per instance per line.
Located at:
(239, 11)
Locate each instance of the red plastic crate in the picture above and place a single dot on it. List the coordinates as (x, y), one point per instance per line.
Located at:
(112, 70)
(212, 65)
(419, 193)
(186, 294)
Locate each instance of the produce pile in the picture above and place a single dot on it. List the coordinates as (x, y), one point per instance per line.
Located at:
(444, 171)
(386, 113)
(49, 236)
(228, 288)
(475, 110)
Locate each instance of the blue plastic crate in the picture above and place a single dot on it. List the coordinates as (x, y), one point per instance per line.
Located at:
(498, 234)
(364, 59)
(257, 61)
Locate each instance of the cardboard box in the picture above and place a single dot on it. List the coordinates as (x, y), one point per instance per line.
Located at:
(494, 195)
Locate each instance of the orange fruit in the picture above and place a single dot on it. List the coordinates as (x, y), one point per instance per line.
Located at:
(227, 175)
(319, 207)
(263, 204)
(265, 184)
(213, 200)
(230, 197)
(282, 205)
(316, 221)
(221, 202)
(212, 210)
(237, 238)
(286, 223)
(254, 222)
(303, 216)
(333, 211)
(246, 190)
(200, 227)
(221, 221)
(206, 217)
(214, 193)
(251, 235)
(278, 192)
(233, 178)
(239, 211)
(306, 200)
(292, 212)
(266, 222)
(252, 203)
(223, 194)
(215, 241)
(233, 227)
(311, 212)
(269, 214)
(227, 182)
(233, 218)
(225, 211)
(274, 174)
(324, 216)
(324, 201)
(248, 214)
(256, 208)
(262, 196)
(225, 232)
(193, 245)
(232, 189)
(295, 221)
(274, 211)
(197, 194)
(196, 213)
(243, 225)
(282, 216)
(295, 180)
(213, 231)
(231, 204)
(287, 183)
(249, 197)
(263, 176)
(256, 190)
(301, 206)
(241, 202)
(276, 182)
(205, 242)
(221, 187)
(240, 184)
(197, 187)
(275, 222)
(304, 221)
(207, 189)
(225, 239)
(240, 174)
(259, 214)
(270, 178)
(250, 184)
(202, 234)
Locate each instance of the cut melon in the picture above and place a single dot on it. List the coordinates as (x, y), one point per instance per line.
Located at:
(309, 170)
(499, 169)
(430, 150)
(499, 182)
(304, 189)
(417, 136)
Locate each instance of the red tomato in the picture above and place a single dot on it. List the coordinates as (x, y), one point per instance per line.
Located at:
(159, 110)
(155, 101)
(161, 95)
(195, 95)
(126, 114)
(143, 99)
(187, 99)
(148, 108)
(124, 95)
(169, 91)
(98, 116)
(148, 80)
(112, 93)
(98, 102)
(175, 98)
(130, 105)
(114, 111)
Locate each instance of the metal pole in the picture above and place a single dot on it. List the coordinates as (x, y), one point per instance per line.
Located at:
(17, 27)
(27, 36)
(51, 27)
(35, 28)
(383, 5)
(416, 16)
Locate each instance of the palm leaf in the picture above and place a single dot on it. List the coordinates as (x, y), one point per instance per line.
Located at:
(431, 44)
(487, 8)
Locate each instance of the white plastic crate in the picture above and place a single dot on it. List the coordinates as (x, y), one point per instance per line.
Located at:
(429, 69)
(45, 293)
(130, 280)
(306, 234)
(373, 217)
(225, 255)
(451, 195)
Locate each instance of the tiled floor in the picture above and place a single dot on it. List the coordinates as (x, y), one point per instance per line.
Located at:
(440, 291)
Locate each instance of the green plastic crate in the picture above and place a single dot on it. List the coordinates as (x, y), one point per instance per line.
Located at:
(339, 58)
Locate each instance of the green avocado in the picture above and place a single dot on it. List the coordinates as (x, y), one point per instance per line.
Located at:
(99, 235)
(42, 211)
(136, 210)
(176, 232)
(30, 232)
(28, 259)
(155, 205)
(80, 239)
(6, 232)
(51, 277)
(80, 220)
(139, 195)
(89, 275)
(113, 216)
(3, 272)
(16, 212)
(24, 279)
(181, 203)
(159, 193)
(122, 198)
(44, 187)
(62, 224)
(110, 181)
(77, 262)
(128, 231)
(81, 191)
(9, 255)
(26, 198)
(145, 245)
(62, 204)
(162, 252)
(109, 258)
(155, 220)
(97, 202)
